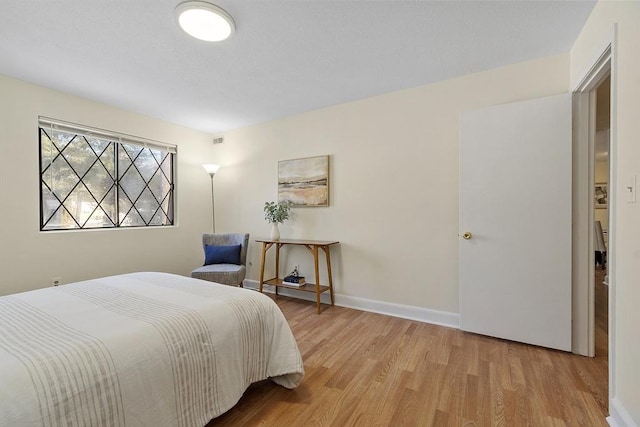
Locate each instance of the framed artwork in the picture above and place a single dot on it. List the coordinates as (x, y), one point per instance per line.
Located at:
(601, 195)
(304, 182)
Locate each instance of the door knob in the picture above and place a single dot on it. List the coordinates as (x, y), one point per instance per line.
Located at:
(467, 235)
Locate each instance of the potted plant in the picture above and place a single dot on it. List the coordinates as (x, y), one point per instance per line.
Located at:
(276, 213)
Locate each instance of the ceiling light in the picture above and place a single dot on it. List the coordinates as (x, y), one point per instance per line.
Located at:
(204, 21)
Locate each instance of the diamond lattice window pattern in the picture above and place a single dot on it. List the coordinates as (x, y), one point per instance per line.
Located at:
(99, 182)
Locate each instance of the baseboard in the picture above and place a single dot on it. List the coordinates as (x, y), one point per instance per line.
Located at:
(419, 314)
(619, 416)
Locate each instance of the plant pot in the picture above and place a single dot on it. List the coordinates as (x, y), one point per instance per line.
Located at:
(275, 231)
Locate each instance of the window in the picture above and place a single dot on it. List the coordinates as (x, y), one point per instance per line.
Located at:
(91, 178)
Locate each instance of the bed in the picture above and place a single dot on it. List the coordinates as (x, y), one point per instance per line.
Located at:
(141, 349)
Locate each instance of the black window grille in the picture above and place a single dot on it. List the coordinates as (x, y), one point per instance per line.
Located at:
(90, 179)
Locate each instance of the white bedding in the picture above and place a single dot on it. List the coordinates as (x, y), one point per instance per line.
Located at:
(142, 349)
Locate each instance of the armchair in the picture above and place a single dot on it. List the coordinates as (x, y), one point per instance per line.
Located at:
(224, 263)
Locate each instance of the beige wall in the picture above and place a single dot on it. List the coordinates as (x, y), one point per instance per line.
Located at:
(625, 159)
(394, 187)
(29, 258)
(394, 181)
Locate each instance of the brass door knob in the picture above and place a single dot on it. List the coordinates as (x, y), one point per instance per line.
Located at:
(467, 235)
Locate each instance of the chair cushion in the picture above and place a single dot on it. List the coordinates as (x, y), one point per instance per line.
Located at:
(227, 274)
(222, 254)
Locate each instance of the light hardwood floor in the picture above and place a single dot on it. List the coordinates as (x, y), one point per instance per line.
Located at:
(366, 369)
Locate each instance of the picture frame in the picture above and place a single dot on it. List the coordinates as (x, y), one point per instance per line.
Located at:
(601, 195)
(304, 182)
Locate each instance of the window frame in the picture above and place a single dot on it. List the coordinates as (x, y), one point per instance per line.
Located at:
(119, 140)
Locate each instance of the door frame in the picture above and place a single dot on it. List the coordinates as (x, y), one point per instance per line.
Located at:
(603, 64)
(584, 107)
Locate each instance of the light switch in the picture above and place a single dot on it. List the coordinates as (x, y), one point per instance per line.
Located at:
(631, 188)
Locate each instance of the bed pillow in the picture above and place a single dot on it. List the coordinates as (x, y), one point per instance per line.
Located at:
(222, 254)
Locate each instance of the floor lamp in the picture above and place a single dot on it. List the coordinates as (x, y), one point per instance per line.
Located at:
(211, 170)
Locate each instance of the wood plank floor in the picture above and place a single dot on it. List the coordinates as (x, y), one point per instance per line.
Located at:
(366, 369)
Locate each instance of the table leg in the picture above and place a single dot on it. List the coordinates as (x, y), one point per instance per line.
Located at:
(277, 263)
(326, 252)
(315, 264)
(264, 254)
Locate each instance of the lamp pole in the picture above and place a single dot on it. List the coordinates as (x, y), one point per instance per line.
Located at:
(213, 206)
(211, 170)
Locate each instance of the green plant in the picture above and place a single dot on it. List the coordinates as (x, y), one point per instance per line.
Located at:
(276, 213)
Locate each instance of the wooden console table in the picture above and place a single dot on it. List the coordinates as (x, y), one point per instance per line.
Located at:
(312, 246)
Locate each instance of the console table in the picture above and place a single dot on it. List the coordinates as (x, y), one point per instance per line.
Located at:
(313, 246)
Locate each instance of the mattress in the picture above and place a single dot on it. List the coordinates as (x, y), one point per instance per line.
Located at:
(141, 349)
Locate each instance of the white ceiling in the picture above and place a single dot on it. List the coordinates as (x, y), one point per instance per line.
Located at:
(286, 57)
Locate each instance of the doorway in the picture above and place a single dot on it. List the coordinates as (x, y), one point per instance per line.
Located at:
(601, 217)
(585, 213)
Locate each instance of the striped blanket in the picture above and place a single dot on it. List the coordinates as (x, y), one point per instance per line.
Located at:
(142, 349)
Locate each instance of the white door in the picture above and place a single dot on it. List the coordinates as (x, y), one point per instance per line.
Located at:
(515, 200)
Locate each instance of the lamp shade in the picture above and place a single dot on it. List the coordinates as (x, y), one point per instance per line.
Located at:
(204, 21)
(211, 168)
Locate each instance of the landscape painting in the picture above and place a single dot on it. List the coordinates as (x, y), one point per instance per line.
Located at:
(304, 182)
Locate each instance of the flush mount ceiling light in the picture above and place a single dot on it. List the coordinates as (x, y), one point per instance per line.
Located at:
(204, 21)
